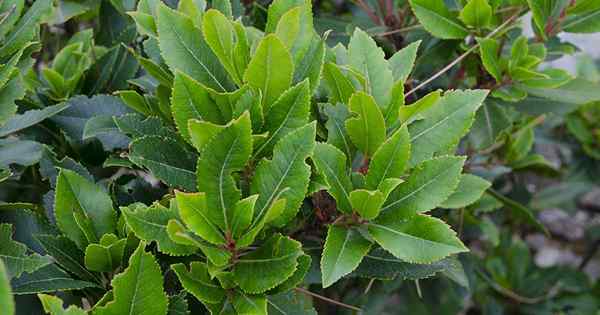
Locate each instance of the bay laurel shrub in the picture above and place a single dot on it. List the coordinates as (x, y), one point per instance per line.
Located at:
(229, 158)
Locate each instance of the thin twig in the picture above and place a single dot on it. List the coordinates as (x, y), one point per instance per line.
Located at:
(461, 57)
(326, 299)
(400, 30)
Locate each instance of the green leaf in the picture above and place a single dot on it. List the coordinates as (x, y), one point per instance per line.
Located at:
(54, 306)
(336, 128)
(191, 100)
(489, 50)
(172, 164)
(520, 211)
(178, 304)
(437, 19)
(199, 283)
(66, 253)
(184, 49)
(477, 13)
(367, 129)
(577, 91)
(554, 78)
(343, 251)
(469, 190)
(390, 160)
(288, 113)
(429, 184)
(414, 111)
(150, 224)
(583, 22)
(367, 203)
(491, 122)
(249, 304)
(270, 70)
(30, 118)
(419, 239)
(22, 152)
(331, 162)
(140, 283)
(546, 11)
(200, 218)
(304, 264)
(13, 90)
(242, 215)
(201, 132)
(7, 302)
(107, 255)
(75, 196)
(286, 176)
(290, 303)
(268, 266)
(26, 28)
(220, 34)
(444, 124)
(226, 153)
(340, 87)
(48, 279)
(402, 62)
(365, 56)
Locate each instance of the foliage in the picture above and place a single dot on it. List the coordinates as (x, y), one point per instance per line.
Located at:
(293, 157)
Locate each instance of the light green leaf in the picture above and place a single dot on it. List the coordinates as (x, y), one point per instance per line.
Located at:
(201, 132)
(444, 124)
(402, 62)
(226, 153)
(268, 266)
(331, 163)
(477, 13)
(54, 306)
(583, 22)
(249, 304)
(367, 129)
(191, 100)
(343, 251)
(172, 164)
(429, 184)
(368, 59)
(198, 217)
(7, 302)
(286, 176)
(242, 215)
(76, 195)
(220, 35)
(107, 255)
(367, 203)
(340, 87)
(489, 50)
(469, 190)
(554, 79)
(199, 283)
(270, 70)
(437, 19)
(390, 160)
(336, 128)
(288, 113)
(15, 257)
(138, 289)
(150, 224)
(184, 49)
(419, 239)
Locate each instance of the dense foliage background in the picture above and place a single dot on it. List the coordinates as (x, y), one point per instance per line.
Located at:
(297, 157)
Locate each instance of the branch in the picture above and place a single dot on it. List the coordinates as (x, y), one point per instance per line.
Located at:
(326, 299)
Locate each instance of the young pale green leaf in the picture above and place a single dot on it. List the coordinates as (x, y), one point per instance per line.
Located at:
(107, 255)
(184, 49)
(429, 184)
(390, 160)
(199, 283)
(331, 163)
(288, 113)
(270, 70)
(554, 78)
(469, 190)
(367, 203)
(286, 176)
(226, 153)
(277, 9)
(418, 239)
(268, 266)
(489, 49)
(343, 251)
(367, 129)
(437, 19)
(368, 59)
(336, 128)
(444, 124)
(54, 306)
(220, 36)
(340, 87)
(477, 13)
(242, 215)
(140, 283)
(198, 217)
(191, 100)
(150, 224)
(402, 62)
(172, 164)
(7, 303)
(201, 132)
(288, 27)
(75, 194)
(15, 257)
(414, 111)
